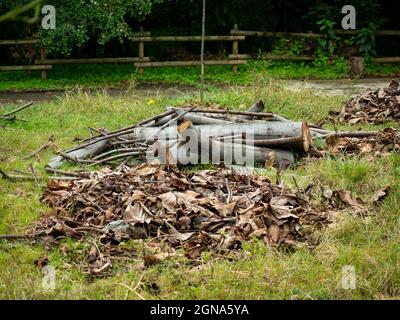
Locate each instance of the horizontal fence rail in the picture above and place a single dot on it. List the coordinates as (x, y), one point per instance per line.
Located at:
(185, 38)
(142, 37)
(267, 34)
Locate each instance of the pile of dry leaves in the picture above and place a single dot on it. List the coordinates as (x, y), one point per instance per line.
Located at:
(373, 106)
(382, 143)
(206, 210)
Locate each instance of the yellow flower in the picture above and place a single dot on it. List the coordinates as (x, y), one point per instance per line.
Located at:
(151, 101)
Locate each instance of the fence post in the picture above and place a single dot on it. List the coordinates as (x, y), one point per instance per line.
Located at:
(235, 49)
(141, 50)
(43, 73)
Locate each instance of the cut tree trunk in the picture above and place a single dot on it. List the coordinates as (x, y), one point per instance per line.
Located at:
(211, 151)
(273, 129)
(204, 150)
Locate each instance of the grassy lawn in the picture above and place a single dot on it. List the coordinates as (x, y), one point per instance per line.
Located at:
(370, 244)
(69, 76)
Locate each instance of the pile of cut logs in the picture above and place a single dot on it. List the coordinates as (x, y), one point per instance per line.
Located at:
(193, 135)
(216, 135)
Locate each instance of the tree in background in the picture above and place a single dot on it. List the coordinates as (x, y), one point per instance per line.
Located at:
(97, 26)
(18, 13)
(80, 21)
(97, 20)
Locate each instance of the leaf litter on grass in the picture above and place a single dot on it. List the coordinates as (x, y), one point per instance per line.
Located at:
(372, 106)
(192, 212)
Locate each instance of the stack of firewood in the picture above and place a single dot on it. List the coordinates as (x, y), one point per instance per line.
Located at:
(193, 135)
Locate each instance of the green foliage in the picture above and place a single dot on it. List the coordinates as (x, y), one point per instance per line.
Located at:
(327, 43)
(286, 46)
(96, 20)
(69, 76)
(367, 11)
(17, 13)
(366, 40)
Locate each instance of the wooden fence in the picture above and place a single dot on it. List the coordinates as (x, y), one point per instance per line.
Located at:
(267, 34)
(142, 37)
(139, 62)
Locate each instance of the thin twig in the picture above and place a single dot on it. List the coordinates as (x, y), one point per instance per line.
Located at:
(40, 149)
(33, 174)
(16, 110)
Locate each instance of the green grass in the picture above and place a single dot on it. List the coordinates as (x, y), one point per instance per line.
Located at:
(370, 244)
(68, 76)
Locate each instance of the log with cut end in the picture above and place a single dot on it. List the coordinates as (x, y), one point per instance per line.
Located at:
(211, 151)
(267, 130)
(83, 153)
(300, 143)
(202, 150)
(259, 132)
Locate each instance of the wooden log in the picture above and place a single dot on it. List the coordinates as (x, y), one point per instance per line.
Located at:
(123, 131)
(354, 134)
(272, 129)
(161, 121)
(199, 119)
(81, 153)
(228, 112)
(211, 151)
(195, 118)
(300, 143)
(207, 150)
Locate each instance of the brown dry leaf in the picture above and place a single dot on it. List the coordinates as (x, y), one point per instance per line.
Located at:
(92, 254)
(65, 230)
(347, 198)
(273, 232)
(225, 209)
(366, 148)
(193, 211)
(138, 213)
(99, 267)
(146, 169)
(58, 184)
(152, 259)
(169, 201)
(381, 194)
(373, 106)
